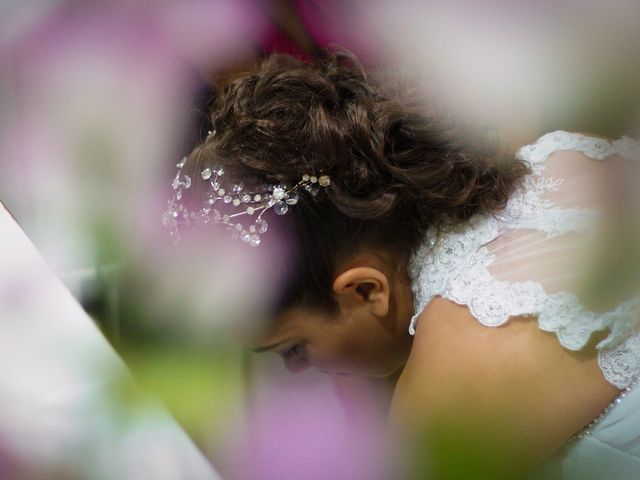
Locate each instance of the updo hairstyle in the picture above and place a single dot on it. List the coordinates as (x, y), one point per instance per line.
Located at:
(395, 170)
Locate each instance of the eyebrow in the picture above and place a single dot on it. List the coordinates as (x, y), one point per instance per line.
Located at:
(268, 347)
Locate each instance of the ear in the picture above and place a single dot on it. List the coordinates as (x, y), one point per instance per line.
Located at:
(363, 287)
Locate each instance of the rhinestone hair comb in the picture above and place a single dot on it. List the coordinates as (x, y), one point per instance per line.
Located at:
(242, 209)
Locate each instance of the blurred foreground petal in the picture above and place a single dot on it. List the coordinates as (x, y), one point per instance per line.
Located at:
(58, 415)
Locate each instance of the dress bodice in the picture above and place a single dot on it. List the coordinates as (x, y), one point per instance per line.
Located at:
(534, 258)
(531, 258)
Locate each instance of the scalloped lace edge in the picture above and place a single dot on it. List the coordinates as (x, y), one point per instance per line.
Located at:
(455, 267)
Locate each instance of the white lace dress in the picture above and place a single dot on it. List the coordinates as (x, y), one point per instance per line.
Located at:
(532, 259)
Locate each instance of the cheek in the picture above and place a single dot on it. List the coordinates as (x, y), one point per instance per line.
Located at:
(348, 351)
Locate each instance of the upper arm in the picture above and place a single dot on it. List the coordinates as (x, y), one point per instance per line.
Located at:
(492, 400)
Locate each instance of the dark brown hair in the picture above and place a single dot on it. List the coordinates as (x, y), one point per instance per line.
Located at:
(395, 170)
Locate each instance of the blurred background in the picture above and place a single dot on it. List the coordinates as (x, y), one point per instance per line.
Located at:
(98, 102)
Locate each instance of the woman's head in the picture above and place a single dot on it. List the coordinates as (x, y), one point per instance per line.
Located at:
(395, 172)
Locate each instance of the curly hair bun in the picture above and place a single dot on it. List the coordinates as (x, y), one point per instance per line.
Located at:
(395, 170)
(285, 117)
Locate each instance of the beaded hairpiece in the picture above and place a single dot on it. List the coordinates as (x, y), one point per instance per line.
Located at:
(239, 203)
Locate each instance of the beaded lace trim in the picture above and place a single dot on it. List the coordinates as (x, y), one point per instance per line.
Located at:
(588, 430)
(455, 266)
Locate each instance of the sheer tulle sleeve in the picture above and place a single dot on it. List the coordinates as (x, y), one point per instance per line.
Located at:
(534, 257)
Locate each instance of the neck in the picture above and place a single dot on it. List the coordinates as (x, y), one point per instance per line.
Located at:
(403, 310)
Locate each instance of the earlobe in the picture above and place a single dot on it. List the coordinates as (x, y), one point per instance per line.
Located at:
(363, 287)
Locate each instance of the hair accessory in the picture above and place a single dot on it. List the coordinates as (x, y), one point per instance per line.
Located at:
(242, 210)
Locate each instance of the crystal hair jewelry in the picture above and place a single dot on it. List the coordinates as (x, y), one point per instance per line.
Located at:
(243, 209)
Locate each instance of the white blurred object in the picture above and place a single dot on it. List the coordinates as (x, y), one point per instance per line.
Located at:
(56, 370)
(514, 64)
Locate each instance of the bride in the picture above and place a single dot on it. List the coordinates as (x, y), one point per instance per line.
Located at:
(444, 261)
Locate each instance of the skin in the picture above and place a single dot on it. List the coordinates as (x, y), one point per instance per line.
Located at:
(368, 336)
(503, 398)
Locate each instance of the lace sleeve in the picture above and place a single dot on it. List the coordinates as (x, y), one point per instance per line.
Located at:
(531, 258)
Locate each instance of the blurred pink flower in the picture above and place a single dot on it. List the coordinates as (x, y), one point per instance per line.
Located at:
(98, 101)
(301, 430)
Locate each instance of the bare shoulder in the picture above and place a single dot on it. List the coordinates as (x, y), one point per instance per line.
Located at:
(513, 388)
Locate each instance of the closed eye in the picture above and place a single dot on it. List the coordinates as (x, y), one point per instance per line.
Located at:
(293, 352)
(295, 359)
